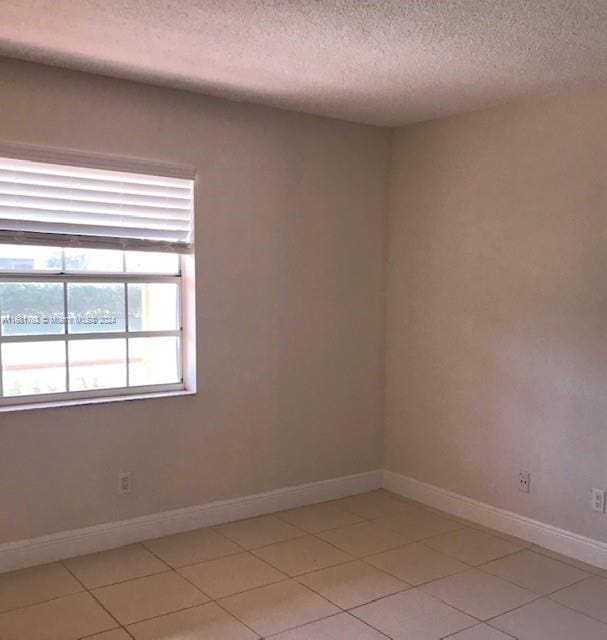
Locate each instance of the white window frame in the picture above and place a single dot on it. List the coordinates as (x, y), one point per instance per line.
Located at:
(185, 332)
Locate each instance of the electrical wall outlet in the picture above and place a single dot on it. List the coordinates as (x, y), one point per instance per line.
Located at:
(125, 483)
(598, 500)
(524, 481)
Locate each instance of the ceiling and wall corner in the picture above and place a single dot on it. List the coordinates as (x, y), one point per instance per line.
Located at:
(386, 62)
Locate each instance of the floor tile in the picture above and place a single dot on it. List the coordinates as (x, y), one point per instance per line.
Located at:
(259, 532)
(372, 505)
(504, 536)
(208, 622)
(472, 546)
(191, 547)
(566, 559)
(342, 626)
(479, 594)
(392, 494)
(363, 539)
(233, 574)
(67, 618)
(148, 597)
(547, 620)
(535, 572)
(416, 564)
(413, 615)
(419, 524)
(480, 632)
(319, 517)
(589, 597)
(352, 584)
(278, 607)
(116, 634)
(34, 585)
(445, 514)
(301, 555)
(116, 565)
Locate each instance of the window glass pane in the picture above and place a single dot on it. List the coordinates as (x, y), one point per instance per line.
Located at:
(29, 258)
(153, 360)
(33, 367)
(31, 308)
(97, 364)
(150, 262)
(152, 306)
(99, 260)
(95, 307)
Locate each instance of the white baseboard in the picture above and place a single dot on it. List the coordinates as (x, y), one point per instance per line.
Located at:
(566, 542)
(66, 544)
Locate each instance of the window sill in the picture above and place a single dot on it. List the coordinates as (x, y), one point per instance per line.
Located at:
(91, 401)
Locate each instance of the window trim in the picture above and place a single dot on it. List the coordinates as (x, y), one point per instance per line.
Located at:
(186, 332)
(105, 399)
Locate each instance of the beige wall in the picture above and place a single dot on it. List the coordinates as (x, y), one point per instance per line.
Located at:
(496, 348)
(497, 306)
(290, 213)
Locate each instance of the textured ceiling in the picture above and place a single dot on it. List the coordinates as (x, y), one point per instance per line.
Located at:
(386, 63)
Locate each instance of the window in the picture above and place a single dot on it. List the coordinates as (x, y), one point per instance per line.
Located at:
(104, 311)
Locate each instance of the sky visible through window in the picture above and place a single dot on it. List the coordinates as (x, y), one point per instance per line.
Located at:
(77, 320)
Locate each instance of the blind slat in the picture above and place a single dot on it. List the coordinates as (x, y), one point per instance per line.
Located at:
(40, 202)
(52, 169)
(83, 208)
(91, 195)
(47, 222)
(62, 228)
(18, 177)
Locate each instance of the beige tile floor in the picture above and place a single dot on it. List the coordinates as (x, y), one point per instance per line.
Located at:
(366, 567)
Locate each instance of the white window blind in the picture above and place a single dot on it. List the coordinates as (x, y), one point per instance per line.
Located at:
(55, 204)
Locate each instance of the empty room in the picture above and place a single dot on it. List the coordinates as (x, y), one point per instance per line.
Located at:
(303, 312)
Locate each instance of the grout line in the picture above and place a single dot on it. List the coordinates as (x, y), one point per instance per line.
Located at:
(520, 606)
(282, 630)
(452, 635)
(566, 560)
(131, 579)
(352, 611)
(168, 613)
(92, 595)
(190, 564)
(305, 624)
(315, 533)
(506, 633)
(242, 622)
(283, 578)
(516, 584)
(333, 615)
(98, 635)
(571, 608)
(536, 599)
(216, 600)
(35, 604)
(271, 544)
(503, 613)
